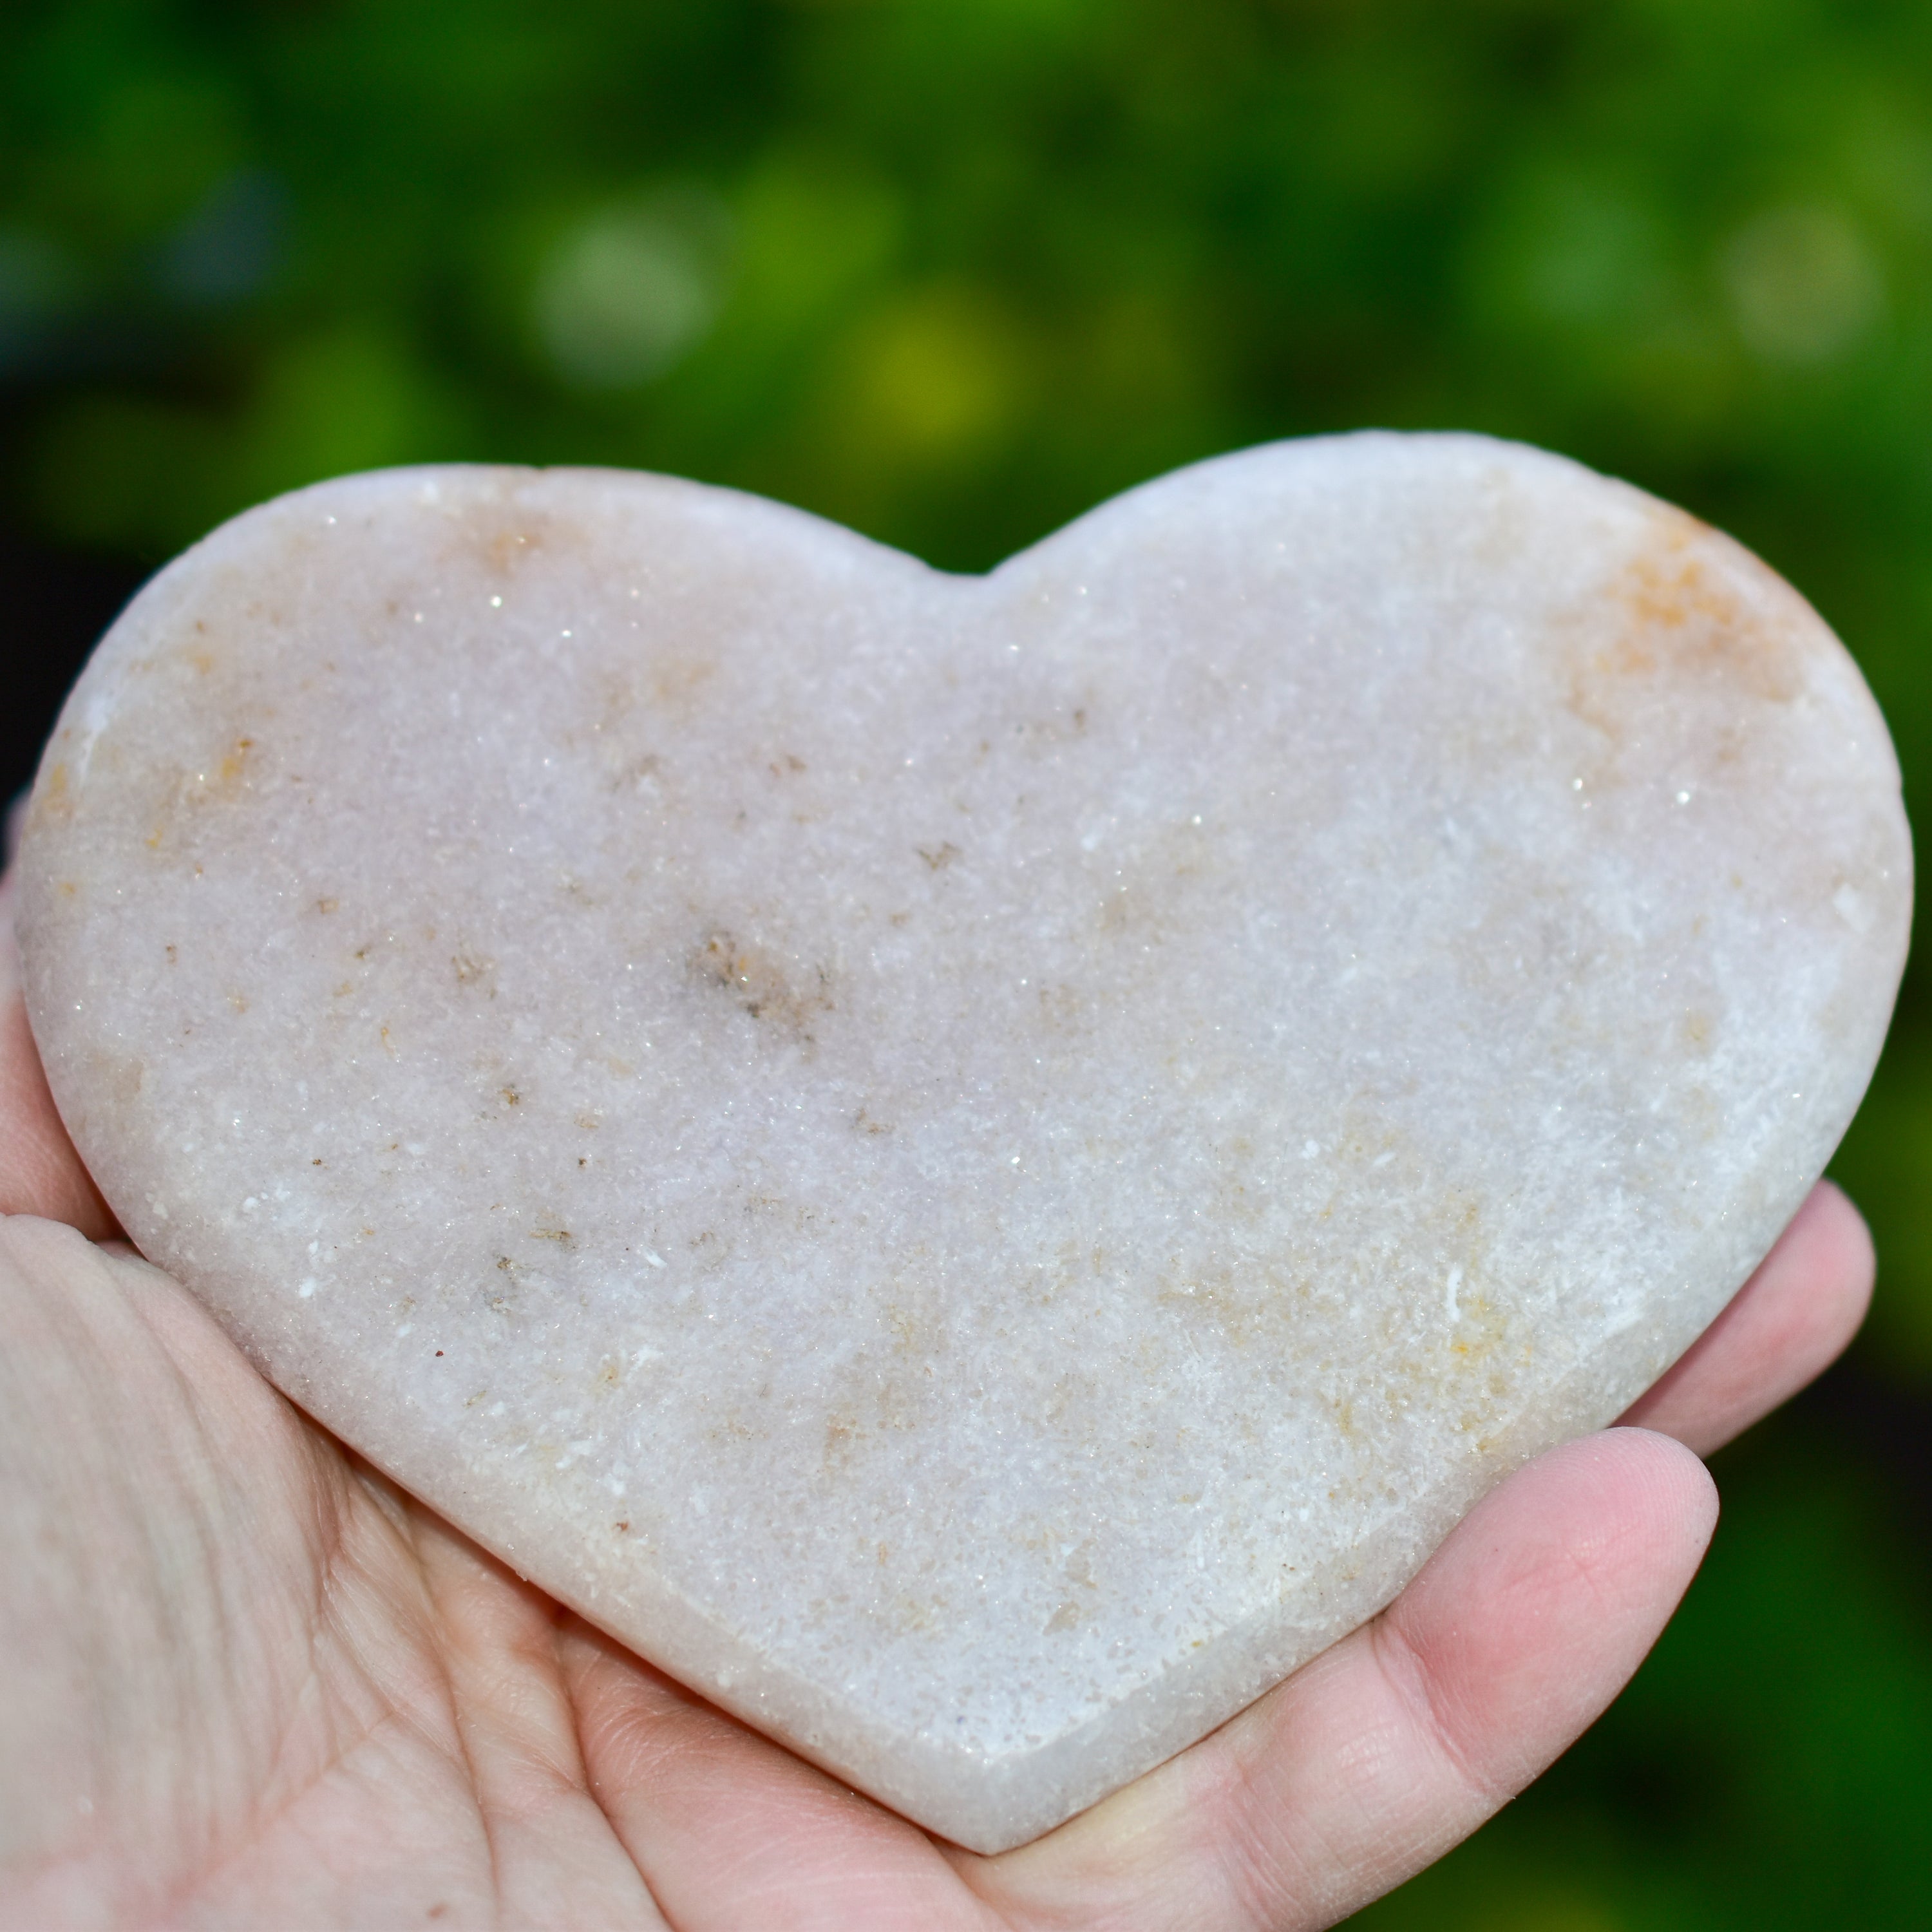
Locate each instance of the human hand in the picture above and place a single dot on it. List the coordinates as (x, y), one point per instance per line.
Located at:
(251, 1683)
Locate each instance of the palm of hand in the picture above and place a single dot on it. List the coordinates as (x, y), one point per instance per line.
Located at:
(253, 1684)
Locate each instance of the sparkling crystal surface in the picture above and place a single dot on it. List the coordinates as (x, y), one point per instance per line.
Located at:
(978, 1167)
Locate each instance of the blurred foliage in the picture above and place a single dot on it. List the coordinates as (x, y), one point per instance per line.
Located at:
(952, 270)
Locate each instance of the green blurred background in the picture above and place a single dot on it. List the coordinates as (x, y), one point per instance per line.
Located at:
(952, 270)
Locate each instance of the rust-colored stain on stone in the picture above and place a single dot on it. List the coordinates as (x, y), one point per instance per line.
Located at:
(54, 798)
(1684, 618)
(1687, 620)
(760, 982)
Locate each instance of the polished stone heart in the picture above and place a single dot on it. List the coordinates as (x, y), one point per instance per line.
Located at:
(977, 1167)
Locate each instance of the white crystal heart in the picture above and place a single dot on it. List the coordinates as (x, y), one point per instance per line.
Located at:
(977, 1167)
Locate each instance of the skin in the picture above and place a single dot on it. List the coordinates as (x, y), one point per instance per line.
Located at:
(251, 1683)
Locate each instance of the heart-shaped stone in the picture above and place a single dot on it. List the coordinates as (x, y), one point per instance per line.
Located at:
(978, 1167)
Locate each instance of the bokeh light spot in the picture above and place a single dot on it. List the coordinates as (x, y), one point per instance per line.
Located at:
(1803, 285)
(629, 290)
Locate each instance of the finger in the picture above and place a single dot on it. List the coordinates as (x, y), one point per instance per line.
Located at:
(728, 1831)
(554, 1859)
(1400, 1740)
(40, 1172)
(1788, 1321)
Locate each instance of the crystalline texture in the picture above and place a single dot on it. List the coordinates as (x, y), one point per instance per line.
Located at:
(977, 1167)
